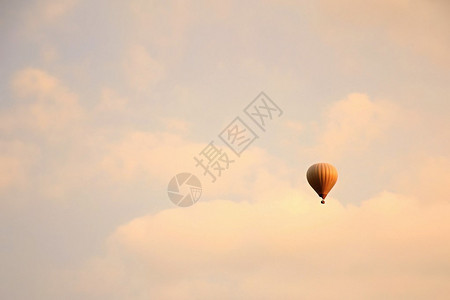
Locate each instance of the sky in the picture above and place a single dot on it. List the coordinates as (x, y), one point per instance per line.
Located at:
(103, 102)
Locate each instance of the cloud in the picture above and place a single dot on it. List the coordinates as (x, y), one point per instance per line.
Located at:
(430, 175)
(49, 53)
(111, 101)
(419, 27)
(294, 126)
(45, 115)
(353, 124)
(50, 10)
(287, 247)
(141, 69)
(254, 234)
(37, 18)
(153, 156)
(177, 125)
(45, 104)
(156, 157)
(170, 18)
(55, 9)
(16, 159)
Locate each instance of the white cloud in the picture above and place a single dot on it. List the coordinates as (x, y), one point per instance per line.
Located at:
(111, 101)
(176, 125)
(294, 126)
(426, 178)
(16, 159)
(418, 26)
(158, 156)
(43, 13)
(45, 105)
(352, 124)
(53, 9)
(141, 69)
(266, 241)
(287, 247)
(153, 156)
(45, 115)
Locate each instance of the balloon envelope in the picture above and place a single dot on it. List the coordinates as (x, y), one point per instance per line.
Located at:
(322, 177)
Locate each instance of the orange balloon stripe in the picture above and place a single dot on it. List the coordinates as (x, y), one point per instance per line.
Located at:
(322, 177)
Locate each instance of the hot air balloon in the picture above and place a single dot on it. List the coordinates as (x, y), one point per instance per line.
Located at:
(321, 178)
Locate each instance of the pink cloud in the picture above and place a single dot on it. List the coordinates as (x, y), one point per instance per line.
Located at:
(290, 247)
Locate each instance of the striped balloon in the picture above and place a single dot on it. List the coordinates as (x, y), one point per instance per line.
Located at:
(322, 177)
